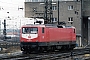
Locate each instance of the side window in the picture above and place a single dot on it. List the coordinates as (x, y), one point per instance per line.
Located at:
(23, 30)
(74, 31)
(42, 29)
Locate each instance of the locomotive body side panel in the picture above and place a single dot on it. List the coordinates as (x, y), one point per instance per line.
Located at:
(60, 34)
(41, 36)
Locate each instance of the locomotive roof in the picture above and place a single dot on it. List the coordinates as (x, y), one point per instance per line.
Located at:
(47, 25)
(37, 25)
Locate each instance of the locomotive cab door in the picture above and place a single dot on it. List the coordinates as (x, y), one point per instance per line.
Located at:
(43, 34)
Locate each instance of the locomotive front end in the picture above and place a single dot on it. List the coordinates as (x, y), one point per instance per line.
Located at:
(29, 38)
(29, 34)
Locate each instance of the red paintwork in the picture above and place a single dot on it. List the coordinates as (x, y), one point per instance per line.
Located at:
(52, 34)
(58, 34)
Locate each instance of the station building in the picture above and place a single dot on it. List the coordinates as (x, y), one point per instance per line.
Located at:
(73, 13)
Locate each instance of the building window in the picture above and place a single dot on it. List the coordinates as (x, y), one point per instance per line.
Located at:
(70, 7)
(54, 7)
(70, 19)
(34, 9)
(54, 19)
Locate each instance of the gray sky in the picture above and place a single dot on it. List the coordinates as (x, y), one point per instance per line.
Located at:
(11, 6)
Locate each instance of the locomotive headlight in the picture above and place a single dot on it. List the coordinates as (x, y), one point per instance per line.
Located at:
(36, 40)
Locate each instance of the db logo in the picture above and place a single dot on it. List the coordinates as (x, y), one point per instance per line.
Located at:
(29, 36)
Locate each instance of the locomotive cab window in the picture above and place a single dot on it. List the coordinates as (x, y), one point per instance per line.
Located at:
(43, 30)
(30, 30)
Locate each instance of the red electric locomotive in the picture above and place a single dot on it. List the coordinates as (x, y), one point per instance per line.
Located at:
(45, 37)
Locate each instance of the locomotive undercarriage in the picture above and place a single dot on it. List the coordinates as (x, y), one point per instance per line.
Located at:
(36, 47)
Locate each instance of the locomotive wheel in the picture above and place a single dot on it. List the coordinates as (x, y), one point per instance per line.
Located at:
(36, 49)
(52, 48)
(48, 48)
(41, 49)
(64, 47)
(24, 52)
(72, 47)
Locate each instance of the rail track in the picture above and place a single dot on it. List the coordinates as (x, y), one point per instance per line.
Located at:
(45, 55)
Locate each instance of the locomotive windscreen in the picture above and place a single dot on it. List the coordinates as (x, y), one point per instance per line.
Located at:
(30, 30)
